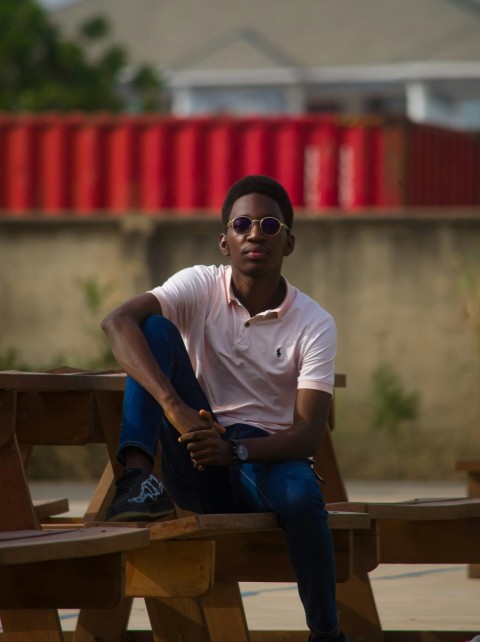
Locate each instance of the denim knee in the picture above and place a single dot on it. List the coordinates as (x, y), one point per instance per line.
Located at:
(156, 327)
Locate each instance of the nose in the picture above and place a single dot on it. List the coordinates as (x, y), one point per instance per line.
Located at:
(256, 231)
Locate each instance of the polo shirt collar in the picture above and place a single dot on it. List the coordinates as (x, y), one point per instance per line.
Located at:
(278, 312)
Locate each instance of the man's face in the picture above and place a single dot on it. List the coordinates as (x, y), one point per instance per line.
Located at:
(255, 252)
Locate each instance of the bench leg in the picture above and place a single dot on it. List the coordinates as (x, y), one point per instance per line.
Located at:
(357, 609)
(178, 619)
(107, 625)
(224, 613)
(473, 490)
(217, 617)
(31, 626)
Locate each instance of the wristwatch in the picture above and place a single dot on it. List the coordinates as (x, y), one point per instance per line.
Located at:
(239, 452)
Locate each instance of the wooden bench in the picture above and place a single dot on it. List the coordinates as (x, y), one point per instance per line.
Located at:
(78, 408)
(472, 469)
(38, 405)
(423, 531)
(64, 568)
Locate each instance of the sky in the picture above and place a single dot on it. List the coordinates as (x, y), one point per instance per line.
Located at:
(53, 4)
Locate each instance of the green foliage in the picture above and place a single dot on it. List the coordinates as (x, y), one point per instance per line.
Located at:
(42, 70)
(95, 296)
(392, 404)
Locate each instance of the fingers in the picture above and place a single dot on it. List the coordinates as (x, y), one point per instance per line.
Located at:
(206, 415)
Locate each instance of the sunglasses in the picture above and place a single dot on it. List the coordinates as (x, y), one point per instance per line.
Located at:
(269, 225)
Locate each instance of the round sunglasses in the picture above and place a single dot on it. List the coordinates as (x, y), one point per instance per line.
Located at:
(269, 225)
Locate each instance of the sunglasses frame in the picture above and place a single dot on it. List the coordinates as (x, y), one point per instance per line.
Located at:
(252, 221)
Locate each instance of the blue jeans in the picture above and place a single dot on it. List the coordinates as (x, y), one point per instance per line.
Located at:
(289, 488)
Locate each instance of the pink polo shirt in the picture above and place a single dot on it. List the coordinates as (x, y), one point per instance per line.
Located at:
(250, 367)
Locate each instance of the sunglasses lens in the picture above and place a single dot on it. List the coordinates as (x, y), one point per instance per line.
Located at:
(241, 224)
(270, 226)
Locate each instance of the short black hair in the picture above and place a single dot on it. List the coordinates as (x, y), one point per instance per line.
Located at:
(258, 184)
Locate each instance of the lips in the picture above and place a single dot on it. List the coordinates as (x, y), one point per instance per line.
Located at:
(256, 252)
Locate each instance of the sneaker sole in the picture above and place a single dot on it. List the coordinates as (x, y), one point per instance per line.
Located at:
(138, 516)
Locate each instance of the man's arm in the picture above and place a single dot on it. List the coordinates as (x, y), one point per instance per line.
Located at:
(131, 350)
(300, 441)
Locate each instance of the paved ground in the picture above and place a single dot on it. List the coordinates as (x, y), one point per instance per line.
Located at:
(408, 597)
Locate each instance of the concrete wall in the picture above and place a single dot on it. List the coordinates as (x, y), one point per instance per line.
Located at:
(394, 284)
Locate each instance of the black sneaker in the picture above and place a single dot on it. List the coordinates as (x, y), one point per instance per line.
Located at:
(340, 637)
(140, 497)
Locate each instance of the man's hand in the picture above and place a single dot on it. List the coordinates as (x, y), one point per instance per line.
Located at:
(187, 420)
(205, 445)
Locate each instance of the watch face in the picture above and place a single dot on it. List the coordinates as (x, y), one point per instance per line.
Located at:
(242, 452)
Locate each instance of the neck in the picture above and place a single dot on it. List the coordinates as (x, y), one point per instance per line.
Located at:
(258, 295)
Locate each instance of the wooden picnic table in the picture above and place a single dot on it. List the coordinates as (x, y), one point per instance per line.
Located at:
(186, 573)
(75, 408)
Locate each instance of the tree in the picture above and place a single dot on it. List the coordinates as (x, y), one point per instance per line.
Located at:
(42, 70)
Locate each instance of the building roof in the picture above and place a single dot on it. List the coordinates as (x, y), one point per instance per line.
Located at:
(222, 35)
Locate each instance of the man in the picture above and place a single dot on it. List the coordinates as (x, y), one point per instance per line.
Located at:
(232, 370)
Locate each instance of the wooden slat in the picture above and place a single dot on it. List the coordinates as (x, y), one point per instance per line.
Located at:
(416, 509)
(301, 636)
(45, 508)
(176, 619)
(93, 582)
(170, 569)
(224, 614)
(42, 381)
(75, 381)
(31, 625)
(452, 541)
(221, 524)
(57, 418)
(21, 547)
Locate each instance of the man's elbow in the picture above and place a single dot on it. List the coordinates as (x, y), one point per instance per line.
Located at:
(109, 323)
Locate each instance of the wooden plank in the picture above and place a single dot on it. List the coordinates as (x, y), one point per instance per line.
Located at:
(220, 524)
(45, 508)
(429, 542)
(102, 497)
(416, 509)
(94, 582)
(389, 636)
(301, 636)
(263, 557)
(31, 625)
(74, 382)
(170, 569)
(357, 609)
(472, 469)
(224, 614)
(15, 501)
(98, 625)
(22, 547)
(57, 418)
(176, 619)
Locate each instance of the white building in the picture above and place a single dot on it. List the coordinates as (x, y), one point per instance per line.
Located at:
(420, 58)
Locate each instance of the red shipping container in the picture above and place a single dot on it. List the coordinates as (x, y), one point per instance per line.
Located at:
(257, 146)
(53, 166)
(321, 155)
(118, 140)
(88, 164)
(18, 164)
(223, 159)
(390, 159)
(156, 161)
(356, 164)
(189, 164)
(290, 141)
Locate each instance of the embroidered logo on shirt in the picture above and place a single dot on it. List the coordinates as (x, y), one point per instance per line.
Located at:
(278, 352)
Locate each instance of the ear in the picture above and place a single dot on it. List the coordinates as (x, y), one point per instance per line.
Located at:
(289, 245)
(223, 244)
